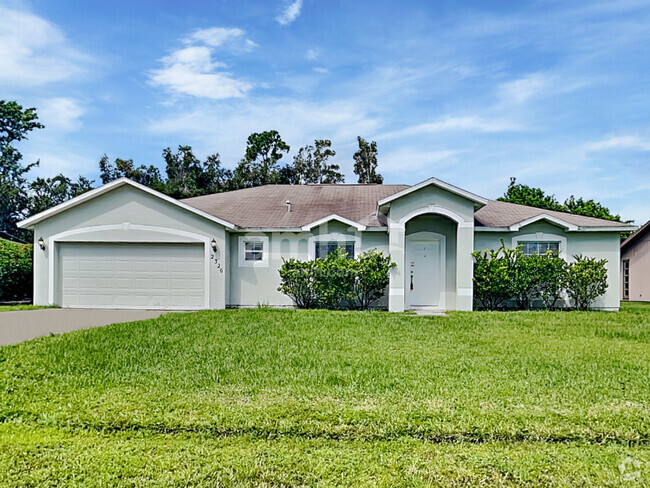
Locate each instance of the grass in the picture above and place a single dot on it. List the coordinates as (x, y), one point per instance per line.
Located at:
(14, 308)
(286, 398)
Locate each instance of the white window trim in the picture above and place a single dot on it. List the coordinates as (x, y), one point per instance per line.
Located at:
(336, 237)
(264, 263)
(543, 237)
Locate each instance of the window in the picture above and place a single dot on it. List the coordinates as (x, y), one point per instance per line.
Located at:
(253, 251)
(323, 248)
(321, 245)
(530, 248)
(626, 278)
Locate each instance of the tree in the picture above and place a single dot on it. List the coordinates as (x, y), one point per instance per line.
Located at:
(183, 170)
(310, 165)
(260, 164)
(15, 124)
(589, 208)
(125, 168)
(533, 197)
(365, 162)
(48, 192)
(214, 178)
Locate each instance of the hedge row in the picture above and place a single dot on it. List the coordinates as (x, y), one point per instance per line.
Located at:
(16, 276)
(336, 282)
(507, 276)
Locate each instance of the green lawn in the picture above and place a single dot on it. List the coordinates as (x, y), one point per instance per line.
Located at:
(13, 308)
(284, 398)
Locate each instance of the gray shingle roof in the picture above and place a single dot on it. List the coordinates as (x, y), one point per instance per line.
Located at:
(505, 214)
(265, 207)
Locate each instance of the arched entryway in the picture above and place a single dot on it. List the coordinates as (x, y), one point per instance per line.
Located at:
(432, 248)
(430, 252)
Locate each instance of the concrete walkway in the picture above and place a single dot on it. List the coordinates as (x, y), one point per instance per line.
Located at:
(24, 325)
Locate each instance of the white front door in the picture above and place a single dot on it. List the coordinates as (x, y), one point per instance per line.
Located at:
(425, 255)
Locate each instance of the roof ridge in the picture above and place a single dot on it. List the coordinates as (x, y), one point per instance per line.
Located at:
(562, 212)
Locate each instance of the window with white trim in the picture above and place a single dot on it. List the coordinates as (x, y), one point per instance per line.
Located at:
(531, 248)
(324, 248)
(253, 251)
(626, 278)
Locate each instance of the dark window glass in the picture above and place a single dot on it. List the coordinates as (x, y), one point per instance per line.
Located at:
(325, 248)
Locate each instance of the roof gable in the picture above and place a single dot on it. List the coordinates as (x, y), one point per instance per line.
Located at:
(638, 235)
(478, 201)
(33, 220)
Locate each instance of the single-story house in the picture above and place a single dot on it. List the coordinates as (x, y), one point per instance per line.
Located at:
(635, 266)
(124, 245)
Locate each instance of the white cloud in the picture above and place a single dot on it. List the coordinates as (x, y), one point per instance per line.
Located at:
(192, 71)
(634, 142)
(321, 70)
(224, 126)
(220, 36)
(290, 13)
(311, 55)
(60, 114)
(475, 124)
(523, 89)
(34, 51)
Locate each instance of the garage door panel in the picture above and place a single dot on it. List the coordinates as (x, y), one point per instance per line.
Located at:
(132, 275)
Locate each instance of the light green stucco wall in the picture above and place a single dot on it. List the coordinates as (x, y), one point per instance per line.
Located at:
(254, 286)
(125, 205)
(601, 245)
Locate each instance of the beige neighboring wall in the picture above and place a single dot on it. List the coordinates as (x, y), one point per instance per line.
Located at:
(636, 249)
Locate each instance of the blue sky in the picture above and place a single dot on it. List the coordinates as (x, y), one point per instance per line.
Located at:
(555, 93)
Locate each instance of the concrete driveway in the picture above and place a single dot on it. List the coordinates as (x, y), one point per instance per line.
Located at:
(28, 324)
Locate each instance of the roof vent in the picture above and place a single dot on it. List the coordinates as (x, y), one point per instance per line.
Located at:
(288, 206)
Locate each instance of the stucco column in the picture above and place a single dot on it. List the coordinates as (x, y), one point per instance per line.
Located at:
(396, 248)
(464, 266)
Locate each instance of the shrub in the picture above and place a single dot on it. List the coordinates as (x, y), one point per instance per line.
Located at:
(507, 274)
(297, 279)
(16, 277)
(371, 278)
(492, 277)
(335, 281)
(586, 280)
(552, 270)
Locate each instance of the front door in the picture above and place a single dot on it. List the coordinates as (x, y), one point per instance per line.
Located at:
(425, 270)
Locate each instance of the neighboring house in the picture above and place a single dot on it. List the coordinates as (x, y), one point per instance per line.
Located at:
(635, 266)
(124, 245)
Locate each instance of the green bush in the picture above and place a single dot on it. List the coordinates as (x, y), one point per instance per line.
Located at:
(552, 272)
(370, 279)
(336, 282)
(16, 277)
(297, 282)
(586, 280)
(507, 275)
(492, 278)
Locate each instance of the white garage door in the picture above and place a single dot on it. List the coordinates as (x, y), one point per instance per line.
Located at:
(132, 275)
